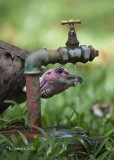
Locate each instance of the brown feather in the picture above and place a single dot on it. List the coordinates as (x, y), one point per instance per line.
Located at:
(12, 79)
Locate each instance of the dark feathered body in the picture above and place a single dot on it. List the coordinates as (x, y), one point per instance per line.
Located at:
(12, 79)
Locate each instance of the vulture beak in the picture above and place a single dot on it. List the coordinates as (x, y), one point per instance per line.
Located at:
(71, 80)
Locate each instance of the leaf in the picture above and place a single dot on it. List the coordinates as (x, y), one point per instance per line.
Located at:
(92, 158)
(14, 139)
(24, 138)
(95, 148)
(100, 147)
(85, 144)
(36, 143)
(6, 140)
(109, 133)
(43, 132)
(104, 155)
(43, 145)
(10, 101)
(2, 140)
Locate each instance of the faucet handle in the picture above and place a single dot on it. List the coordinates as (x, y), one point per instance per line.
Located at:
(72, 38)
(71, 21)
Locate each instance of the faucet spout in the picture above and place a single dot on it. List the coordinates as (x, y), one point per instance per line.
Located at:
(62, 55)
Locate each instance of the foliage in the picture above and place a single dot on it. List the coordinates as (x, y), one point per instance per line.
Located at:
(72, 112)
(48, 148)
(36, 24)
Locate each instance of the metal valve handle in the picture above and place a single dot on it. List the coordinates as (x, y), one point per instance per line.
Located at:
(71, 21)
(72, 38)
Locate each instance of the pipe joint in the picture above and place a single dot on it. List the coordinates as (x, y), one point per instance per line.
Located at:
(82, 54)
(35, 60)
(85, 51)
(62, 55)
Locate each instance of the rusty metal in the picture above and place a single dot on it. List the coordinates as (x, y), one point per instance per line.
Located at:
(72, 37)
(62, 133)
(35, 60)
(72, 53)
(55, 56)
(62, 55)
(33, 101)
(94, 53)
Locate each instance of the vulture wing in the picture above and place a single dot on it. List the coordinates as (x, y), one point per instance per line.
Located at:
(12, 79)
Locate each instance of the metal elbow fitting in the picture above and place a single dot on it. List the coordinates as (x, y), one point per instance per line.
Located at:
(35, 60)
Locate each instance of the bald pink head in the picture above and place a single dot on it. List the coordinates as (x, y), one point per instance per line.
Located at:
(57, 80)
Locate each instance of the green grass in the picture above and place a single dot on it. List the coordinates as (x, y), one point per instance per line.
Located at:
(50, 149)
(74, 111)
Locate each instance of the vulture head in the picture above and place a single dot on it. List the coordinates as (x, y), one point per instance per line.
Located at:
(56, 80)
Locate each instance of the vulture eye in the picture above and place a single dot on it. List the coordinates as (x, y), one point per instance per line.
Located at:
(59, 70)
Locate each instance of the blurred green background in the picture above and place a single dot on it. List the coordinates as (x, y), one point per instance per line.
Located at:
(36, 24)
(33, 25)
